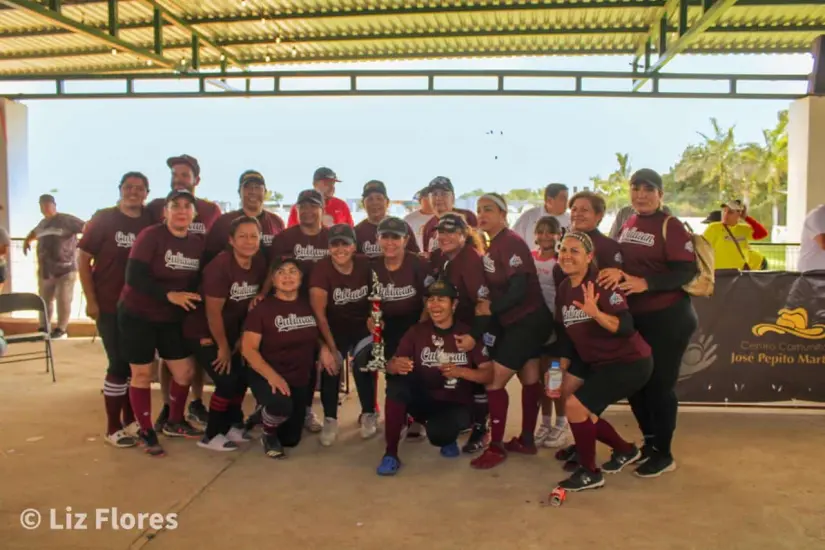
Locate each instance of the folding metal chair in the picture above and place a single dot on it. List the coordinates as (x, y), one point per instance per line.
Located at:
(26, 301)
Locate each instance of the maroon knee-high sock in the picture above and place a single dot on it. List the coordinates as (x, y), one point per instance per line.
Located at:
(115, 394)
(127, 413)
(395, 417)
(608, 435)
(498, 401)
(141, 399)
(585, 436)
(177, 401)
(530, 405)
(271, 421)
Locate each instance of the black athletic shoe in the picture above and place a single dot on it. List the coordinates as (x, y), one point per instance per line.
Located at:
(272, 446)
(656, 465)
(254, 419)
(566, 454)
(581, 480)
(182, 429)
(478, 440)
(58, 333)
(149, 442)
(647, 451)
(197, 412)
(162, 418)
(618, 460)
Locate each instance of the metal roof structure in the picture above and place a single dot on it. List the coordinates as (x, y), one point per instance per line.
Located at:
(52, 39)
(89, 36)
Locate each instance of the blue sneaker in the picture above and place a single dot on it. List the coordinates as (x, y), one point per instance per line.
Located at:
(389, 466)
(450, 451)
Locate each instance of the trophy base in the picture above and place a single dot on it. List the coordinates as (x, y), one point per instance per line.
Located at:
(375, 366)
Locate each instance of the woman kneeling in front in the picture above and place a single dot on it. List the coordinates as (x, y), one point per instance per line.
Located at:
(603, 354)
(281, 343)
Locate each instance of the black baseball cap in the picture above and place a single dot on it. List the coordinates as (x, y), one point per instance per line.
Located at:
(311, 196)
(423, 192)
(341, 232)
(442, 288)
(190, 161)
(180, 194)
(250, 177)
(451, 222)
(441, 182)
(648, 176)
(324, 173)
(394, 226)
(715, 216)
(374, 186)
(47, 199)
(281, 261)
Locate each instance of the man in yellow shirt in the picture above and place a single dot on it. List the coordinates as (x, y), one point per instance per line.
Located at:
(730, 236)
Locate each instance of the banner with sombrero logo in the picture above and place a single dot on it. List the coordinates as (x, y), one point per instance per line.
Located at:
(761, 339)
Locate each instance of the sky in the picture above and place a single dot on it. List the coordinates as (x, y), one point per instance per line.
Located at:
(82, 147)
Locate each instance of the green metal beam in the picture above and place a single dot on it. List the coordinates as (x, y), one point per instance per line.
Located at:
(658, 23)
(349, 80)
(170, 16)
(157, 24)
(710, 17)
(80, 28)
(196, 52)
(114, 21)
(683, 17)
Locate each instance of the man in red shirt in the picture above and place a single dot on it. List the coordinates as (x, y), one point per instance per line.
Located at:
(335, 210)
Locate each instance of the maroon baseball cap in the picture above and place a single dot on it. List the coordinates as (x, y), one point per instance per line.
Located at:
(190, 161)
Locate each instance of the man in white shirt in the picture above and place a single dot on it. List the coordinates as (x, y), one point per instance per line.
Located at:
(812, 249)
(555, 204)
(418, 219)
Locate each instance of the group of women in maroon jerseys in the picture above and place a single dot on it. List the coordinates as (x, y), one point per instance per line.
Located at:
(269, 309)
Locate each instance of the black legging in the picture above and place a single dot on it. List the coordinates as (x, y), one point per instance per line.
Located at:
(443, 420)
(292, 408)
(225, 407)
(668, 332)
(365, 382)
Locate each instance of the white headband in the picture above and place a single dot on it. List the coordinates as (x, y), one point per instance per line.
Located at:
(494, 199)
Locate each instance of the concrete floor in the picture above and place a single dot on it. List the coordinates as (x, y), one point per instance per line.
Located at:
(745, 481)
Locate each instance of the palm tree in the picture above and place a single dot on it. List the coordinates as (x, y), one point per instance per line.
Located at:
(615, 188)
(768, 166)
(717, 162)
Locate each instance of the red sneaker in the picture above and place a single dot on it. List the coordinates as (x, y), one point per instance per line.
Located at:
(515, 445)
(490, 458)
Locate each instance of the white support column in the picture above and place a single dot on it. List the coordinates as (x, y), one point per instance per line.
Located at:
(806, 161)
(14, 165)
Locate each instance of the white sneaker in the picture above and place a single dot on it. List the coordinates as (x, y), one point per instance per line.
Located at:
(218, 443)
(120, 439)
(237, 435)
(542, 434)
(369, 425)
(132, 429)
(311, 423)
(329, 431)
(559, 437)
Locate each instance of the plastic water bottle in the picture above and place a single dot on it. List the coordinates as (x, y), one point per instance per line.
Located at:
(554, 378)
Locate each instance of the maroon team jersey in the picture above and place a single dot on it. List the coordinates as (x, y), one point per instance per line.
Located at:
(207, 214)
(595, 344)
(507, 256)
(645, 251)
(307, 249)
(421, 344)
(347, 304)
(173, 262)
(225, 278)
(108, 238)
(430, 230)
(289, 337)
(366, 237)
(607, 252)
(402, 290)
(217, 239)
(466, 273)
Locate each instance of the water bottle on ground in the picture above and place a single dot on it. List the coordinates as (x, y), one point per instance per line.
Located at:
(554, 378)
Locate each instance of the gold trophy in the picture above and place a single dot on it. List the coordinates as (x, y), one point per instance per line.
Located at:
(378, 362)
